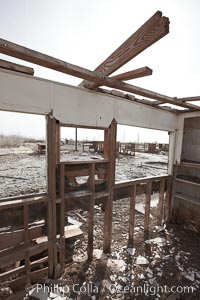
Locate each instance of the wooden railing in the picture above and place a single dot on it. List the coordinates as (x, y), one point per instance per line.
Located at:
(24, 251)
(163, 203)
(24, 243)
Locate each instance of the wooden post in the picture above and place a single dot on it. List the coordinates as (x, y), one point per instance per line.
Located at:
(57, 142)
(167, 200)
(111, 181)
(147, 207)
(106, 144)
(160, 203)
(132, 214)
(26, 241)
(51, 179)
(91, 212)
(62, 217)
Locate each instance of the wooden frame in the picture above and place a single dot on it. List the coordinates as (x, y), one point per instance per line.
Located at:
(38, 58)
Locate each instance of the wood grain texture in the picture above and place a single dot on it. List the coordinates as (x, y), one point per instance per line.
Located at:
(51, 171)
(61, 217)
(147, 207)
(91, 212)
(9, 239)
(38, 58)
(141, 72)
(160, 202)
(7, 65)
(149, 33)
(167, 200)
(132, 214)
(111, 181)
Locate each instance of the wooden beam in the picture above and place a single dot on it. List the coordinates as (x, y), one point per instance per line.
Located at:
(26, 241)
(51, 171)
(7, 65)
(141, 72)
(61, 217)
(197, 98)
(149, 33)
(167, 200)
(147, 207)
(23, 53)
(111, 182)
(91, 212)
(13, 238)
(160, 203)
(132, 214)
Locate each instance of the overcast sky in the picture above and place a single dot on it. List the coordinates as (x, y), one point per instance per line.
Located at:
(86, 32)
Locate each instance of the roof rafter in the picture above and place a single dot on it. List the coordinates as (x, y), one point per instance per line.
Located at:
(149, 33)
(4, 64)
(137, 73)
(38, 58)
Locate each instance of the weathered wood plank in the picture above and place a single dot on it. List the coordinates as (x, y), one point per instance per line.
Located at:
(106, 144)
(149, 33)
(62, 217)
(111, 181)
(9, 239)
(38, 58)
(7, 65)
(18, 253)
(4, 276)
(141, 72)
(147, 207)
(91, 212)
(130, 183)
(132, 214)
(72, 232)
(57, 142)
(26, 241)
(160, 202)
(167, 200)
(51, 177)
(18, 203)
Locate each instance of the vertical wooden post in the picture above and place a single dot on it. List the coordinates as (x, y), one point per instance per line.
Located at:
(26, 241)
(111, 181)
(106, 144)
(132, 214)
(57, 142)
(160, 203)
(167, 200)
(91, 212)
(51, 184)
(147, 207)
(62, 216)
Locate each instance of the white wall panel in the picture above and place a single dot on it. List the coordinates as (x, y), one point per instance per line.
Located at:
(24, 94)
(74, 106)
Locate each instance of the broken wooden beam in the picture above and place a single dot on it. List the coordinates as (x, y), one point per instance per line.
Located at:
(149, 33)
(141, 72)
(38, 58)
(7, 65)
